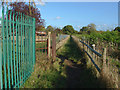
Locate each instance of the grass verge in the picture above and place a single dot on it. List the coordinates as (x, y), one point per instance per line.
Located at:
(46, 74)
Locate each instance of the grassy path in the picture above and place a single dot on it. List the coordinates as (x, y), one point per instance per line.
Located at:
(68, 71)
(77, 73)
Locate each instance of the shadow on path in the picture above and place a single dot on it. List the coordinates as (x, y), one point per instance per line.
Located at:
(78, 75)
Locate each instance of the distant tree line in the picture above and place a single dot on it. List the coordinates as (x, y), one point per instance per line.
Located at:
(68, 29)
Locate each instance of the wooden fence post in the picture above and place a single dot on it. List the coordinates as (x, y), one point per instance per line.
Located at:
(80, 40)
(49, 44)
(93, 53)
(104, 59)
(88, 53)
(54, 46)
(103, 71)
(83, 45)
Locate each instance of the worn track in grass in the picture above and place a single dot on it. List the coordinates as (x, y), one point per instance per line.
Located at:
(75, 67)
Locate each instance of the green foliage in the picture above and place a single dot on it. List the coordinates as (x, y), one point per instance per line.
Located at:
(84, 29)
(23, 7)
(45, 75)
(56, 64)
(45, 79)
(117, 29)
(92, 26)
(41, 28)
(71, 51)
(108, 36)
(58, 31)
(68, 29)
(111, 36)
(49, 28)
(75, 31)
(78, 73)
(88, 29)
(117, 63)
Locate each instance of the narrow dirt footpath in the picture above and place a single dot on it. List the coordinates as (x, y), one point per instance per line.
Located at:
(77, 73)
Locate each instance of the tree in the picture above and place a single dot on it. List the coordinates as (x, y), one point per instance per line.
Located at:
(92, 26)
(75, 31)
(84, 29)
(41, 28)
(117, 29)
(23, 7)
(68, 29)
(58, 31)
(88, 29)
(49, 28)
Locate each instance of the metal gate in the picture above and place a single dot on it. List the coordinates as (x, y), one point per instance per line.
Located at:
(41, 42)
(17, 48)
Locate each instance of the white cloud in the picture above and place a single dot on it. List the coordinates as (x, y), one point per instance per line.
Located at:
(37, 3)
(79, 27)
(105, 24)
(41, 2)
(58, 17)
(60, 27)
(105, 27)
(98, 26)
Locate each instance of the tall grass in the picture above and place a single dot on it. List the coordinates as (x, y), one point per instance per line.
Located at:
(45, 74)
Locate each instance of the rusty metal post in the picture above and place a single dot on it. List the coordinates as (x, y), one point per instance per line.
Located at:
(54, 46)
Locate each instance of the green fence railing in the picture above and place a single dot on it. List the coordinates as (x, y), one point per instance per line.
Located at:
(17, 48)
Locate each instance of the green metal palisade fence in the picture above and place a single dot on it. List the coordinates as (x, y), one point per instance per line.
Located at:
(17, 48)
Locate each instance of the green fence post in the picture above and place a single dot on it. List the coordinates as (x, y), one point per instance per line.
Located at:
(1, 81)
(29, 45)
(7, 48)
(21, 52)
(14, 48)
(26, 31)
(25, 49)
(17, 46)
(34, 40)
(4, 55)
(11, 49)
(33, 43)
